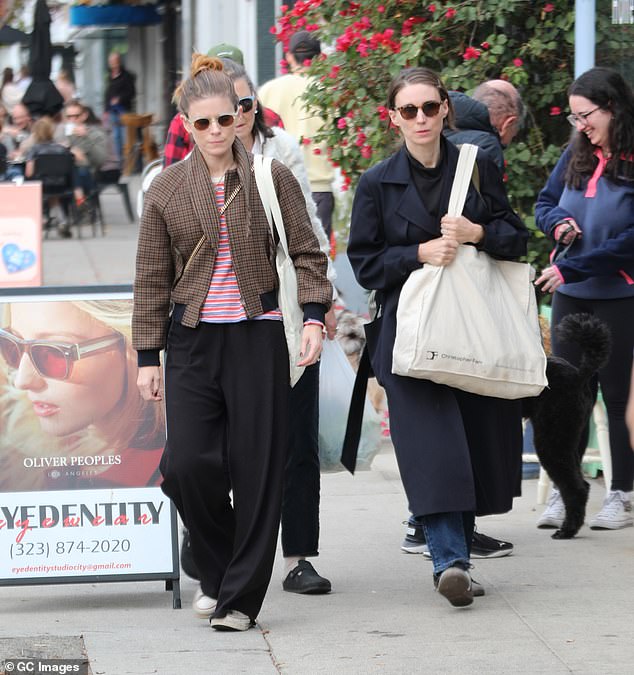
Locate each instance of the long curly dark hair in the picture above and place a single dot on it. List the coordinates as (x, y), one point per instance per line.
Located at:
(607, 89)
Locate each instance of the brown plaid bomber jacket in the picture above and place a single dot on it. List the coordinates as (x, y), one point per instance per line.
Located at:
(174, 262)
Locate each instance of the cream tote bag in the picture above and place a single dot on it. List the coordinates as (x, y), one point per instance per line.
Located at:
(473, 324)
(292, 313)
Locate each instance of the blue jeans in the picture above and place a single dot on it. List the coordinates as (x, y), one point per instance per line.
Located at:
(117, 129)
(448, 537)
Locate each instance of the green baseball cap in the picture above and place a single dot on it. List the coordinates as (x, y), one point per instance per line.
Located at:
(225, 51)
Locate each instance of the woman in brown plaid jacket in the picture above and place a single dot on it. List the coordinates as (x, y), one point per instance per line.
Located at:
(206, 291)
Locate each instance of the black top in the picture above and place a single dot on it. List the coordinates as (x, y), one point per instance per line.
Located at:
(46, 149)
(122, 87)
(429, 182)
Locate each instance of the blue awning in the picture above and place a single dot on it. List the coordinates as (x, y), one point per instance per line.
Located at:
(114, 15)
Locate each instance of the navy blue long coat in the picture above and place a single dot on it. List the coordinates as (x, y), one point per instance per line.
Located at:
(456, 451)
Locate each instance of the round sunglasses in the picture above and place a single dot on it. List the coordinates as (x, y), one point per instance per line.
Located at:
(202, 123)
(410, 111)
(53, 359)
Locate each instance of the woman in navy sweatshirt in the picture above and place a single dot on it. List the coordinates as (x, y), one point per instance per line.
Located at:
(589, 201)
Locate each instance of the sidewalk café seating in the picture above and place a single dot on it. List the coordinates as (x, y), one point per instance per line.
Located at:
(56, 173)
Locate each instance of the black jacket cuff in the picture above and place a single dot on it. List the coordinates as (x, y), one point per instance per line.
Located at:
(148, 357)
(314, 311)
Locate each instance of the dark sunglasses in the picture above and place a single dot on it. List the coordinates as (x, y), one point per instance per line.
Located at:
(202, 123)
(429, 108)
(53, 359)
(247, 103)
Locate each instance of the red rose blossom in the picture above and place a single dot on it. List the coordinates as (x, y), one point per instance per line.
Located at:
(471, 53)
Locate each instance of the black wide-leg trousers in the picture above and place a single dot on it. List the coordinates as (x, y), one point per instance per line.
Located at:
(226, 391)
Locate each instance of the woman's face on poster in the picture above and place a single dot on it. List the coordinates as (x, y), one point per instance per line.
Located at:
(96, 381)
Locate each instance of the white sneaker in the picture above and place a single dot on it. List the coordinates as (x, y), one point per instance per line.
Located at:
(234, 621)
(615, 513)
(554, 513)
(203, 605)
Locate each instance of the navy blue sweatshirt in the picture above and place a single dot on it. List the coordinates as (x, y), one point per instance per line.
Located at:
(600, 264)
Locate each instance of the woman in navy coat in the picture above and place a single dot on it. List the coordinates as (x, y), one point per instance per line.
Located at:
(459, 454)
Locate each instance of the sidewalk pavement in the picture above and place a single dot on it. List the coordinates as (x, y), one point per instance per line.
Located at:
(552, 607)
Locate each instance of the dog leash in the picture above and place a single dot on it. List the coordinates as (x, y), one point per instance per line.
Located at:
(561, 250)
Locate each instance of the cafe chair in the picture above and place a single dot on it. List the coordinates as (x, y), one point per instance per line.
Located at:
(56, 173)
(110, 178)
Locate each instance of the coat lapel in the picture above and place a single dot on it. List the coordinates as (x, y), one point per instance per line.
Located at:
(409, 206)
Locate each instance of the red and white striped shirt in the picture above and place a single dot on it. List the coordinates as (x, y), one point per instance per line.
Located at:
(222, 304)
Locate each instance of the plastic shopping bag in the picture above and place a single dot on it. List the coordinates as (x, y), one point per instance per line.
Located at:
(336, 380)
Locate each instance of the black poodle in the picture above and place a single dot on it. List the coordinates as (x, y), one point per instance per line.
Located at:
(560, 413)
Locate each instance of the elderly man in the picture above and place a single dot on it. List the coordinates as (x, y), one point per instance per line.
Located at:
(490, 118)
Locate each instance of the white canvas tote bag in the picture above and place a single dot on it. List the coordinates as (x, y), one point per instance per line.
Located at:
(472, 324)
(292, 313)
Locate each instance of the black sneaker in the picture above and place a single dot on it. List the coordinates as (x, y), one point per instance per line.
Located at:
(483, 546)
(414, 541)
(303, 578)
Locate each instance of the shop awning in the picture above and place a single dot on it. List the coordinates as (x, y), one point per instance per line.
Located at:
(114, 15)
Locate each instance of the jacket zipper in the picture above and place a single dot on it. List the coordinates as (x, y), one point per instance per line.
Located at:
(201, 241)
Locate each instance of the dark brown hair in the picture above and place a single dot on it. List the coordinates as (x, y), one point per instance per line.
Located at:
(236, 72)
(606, 89)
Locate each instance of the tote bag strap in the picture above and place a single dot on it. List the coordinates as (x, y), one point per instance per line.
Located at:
(462, 178)
(266, 188)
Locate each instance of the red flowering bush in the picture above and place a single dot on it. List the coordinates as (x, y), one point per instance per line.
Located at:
(365, 43)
